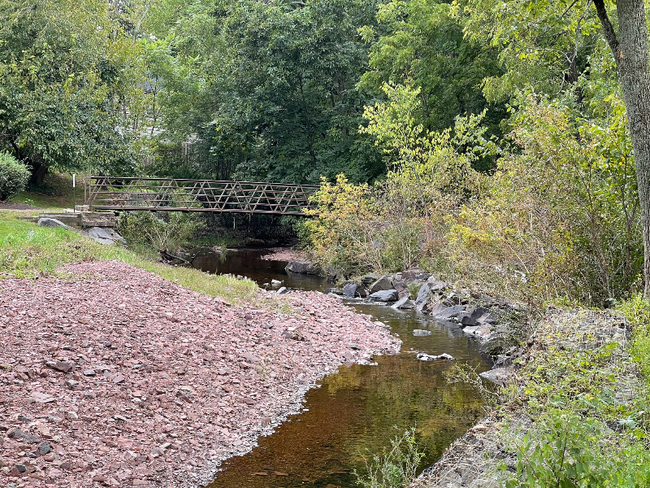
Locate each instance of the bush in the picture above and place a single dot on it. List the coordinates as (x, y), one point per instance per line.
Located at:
(395, 467)
(393, 225)
(560, 219)
(13, 176)
(168, 230)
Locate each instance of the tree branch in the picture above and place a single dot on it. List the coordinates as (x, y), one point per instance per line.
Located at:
(608, 29)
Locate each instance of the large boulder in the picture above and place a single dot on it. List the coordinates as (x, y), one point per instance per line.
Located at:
(350, 290)
(404, 303)
(402, 289)
(302, 267)
(383, 283)
(48, 222)
(384, 296)
(105, 236)
(423, 298)
(450, 312)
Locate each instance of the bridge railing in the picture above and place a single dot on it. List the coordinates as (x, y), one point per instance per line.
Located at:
(163, 194)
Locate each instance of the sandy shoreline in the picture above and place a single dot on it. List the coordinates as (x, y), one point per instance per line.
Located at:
(118, 377)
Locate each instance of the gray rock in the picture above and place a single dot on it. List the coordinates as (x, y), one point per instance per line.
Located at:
(437, 285)
(383, 283)
(404, 303)
(402, 289)
(335, 291)
(302, 267)
(276, 283)
(473, 318)
(500, 376)
(488, 318)
(283, 291)
(384, 296)
(105, 236)
(421, 332)
(350, 290)
(89, 372)
(44, 448)
(369, 279)
(48, 222)
(436, 308)
(450, 312)
(423, 296)
(20, 435)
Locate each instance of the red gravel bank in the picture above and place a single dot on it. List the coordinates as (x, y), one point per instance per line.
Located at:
(118, 377)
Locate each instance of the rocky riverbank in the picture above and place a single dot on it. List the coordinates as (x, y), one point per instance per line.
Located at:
(494, 322)
(601, 339)
(117, 377)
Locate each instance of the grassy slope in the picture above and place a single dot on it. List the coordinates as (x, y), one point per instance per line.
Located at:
(55, 193)
(29, 251)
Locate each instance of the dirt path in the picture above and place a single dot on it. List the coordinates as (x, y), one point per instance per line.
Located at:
(117, 377)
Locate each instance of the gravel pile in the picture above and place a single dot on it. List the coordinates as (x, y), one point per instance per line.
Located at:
(117, 377)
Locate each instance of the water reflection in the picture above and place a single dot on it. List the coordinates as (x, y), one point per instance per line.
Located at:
(361, 408)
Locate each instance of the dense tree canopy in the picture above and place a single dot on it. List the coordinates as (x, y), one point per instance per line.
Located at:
(66, 71)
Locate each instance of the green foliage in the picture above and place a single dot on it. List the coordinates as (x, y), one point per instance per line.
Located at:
(422, 43)
(636, 310)
(13, 176)
(544, 47)
(65, 69)
(568, 450)
(561, 215)
(152, 230)
(288, 108)
(395, 467)
(343, 229)
(393, 225)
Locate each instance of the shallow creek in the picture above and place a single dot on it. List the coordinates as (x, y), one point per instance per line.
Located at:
(357, 411)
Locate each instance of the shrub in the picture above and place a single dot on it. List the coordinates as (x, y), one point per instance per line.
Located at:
(560, 218)
(392, 225)
(395, 467)
(168, 230)
(13, 176)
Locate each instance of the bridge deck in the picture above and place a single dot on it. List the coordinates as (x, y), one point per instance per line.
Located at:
(183, 195)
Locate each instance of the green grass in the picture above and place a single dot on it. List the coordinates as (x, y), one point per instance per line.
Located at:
(56, 192)
(29, 251)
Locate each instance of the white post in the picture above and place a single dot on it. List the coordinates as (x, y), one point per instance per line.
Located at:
(74, 193)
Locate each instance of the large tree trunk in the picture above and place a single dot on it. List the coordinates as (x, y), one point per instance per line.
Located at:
(630, 50)
(38, 173)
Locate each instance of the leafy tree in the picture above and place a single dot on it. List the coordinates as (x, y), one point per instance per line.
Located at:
(543, 46)
(66, 74)
(422, 42)
(287, 105)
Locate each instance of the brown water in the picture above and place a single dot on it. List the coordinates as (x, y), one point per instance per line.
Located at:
(357, 411)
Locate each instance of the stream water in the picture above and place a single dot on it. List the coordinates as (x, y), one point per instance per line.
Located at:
(357, 411)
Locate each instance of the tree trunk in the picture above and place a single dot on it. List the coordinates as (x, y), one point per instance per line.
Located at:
(38, 173)
(630, 50)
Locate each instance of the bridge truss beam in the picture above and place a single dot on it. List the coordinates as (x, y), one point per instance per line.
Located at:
(184, 195)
